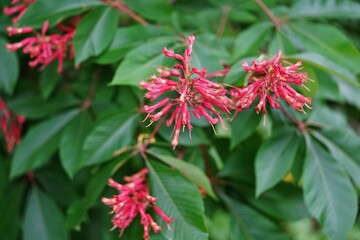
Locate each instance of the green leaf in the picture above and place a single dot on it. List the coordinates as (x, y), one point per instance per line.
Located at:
(249, 40)
(190, 171)
(329, 42)
(335, 9)
(158, 10)
(141, 63)
(24, 104)
(54, 11)
(94, 33)
(77, 212)
(248, 224)
(40, 143)
(348, 92)
(72, 141)
(130, 37)
(344, 146)
(43, 219)
(237, 73)
(328, 192)
(283, 202)
(10, 208)
(49, 79)
(112, 133)
(327, 65)
(208, 51)
(180, 199)
(275, 158)
(242, 126)
(198, 136)
(9, 69)
(281, 42)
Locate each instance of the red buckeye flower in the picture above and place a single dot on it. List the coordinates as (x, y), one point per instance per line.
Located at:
(17, 9)
(134, 199)
(11, 126)
(42, 48)
(193, 94)
(271, 80)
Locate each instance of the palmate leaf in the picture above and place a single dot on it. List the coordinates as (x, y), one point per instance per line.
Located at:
(251, 39)
(180, 199)
(43, 218)
(54, 11)
(40, 143)
(327, 41)
(275, 158)
(331, 9)
(327, 65)
(344, 146)
(328, 192)
(94, 33)
(248, 224)
(112, 133)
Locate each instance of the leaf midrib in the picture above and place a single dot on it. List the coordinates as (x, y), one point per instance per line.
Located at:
(163, 188)
(317, 161)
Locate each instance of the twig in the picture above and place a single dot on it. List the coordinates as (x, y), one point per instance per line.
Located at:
(121, 6)
(268, 12)
(222, 24)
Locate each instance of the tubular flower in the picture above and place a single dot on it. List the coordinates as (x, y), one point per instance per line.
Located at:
(42, 48)
(19, 9)
(271, 77)
(193, 94)
(11, 126)
(134, 199)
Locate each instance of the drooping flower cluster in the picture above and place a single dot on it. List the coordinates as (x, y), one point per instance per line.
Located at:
(271, 77)
(134, 199)
(11, 126)
(42, 48)
(194, 94)
(19, 9)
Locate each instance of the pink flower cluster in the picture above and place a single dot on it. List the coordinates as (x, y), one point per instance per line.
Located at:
(271, 77)
(193, 94)
(42, 48)
(134, 199)
(19, 9)
(11, 126)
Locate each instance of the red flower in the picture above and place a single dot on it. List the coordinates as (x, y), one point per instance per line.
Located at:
(19, 9)
(42, 48)
(271, 77)
(11, 126)
(134, 199)
(194, 93)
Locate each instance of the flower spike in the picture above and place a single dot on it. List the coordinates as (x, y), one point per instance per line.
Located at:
(270, 80)
(194, 94)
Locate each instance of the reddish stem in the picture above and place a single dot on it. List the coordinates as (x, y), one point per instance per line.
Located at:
(121, 6)
(268, 12)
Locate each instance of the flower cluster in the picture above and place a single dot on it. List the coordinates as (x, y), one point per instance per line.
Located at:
(42, 48)
(193, 94)
(19, 9)
(271, 77)
(134, 199)
(11, 126)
